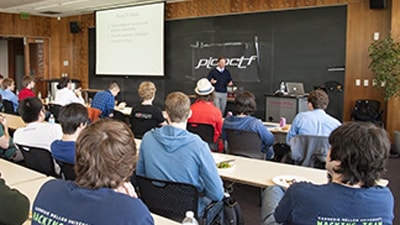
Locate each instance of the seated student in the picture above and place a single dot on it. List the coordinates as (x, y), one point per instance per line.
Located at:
(37, 133)
(65, 95)
(105, 100)
(73, 118)
(14, 207)
(245, 105)
(355, 162)
(102, 192)
(204, 110)
(173, 153)
(8, 94)
(7, 147)
(28, 83)
(146, 116)
(315, 121)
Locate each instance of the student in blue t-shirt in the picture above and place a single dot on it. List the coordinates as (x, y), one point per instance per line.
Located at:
(73, 118)
(102, 193)
(354, 164)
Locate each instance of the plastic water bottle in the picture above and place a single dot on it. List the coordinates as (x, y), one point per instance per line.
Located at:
(52, 120)
(39, 95)
(190, 220)
(282, 87)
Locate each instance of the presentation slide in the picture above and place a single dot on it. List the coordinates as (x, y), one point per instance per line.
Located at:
(130, 41)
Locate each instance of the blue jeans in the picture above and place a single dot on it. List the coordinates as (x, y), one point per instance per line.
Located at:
(270, 200)
(216, 210)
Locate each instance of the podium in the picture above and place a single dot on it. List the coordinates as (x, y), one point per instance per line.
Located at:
(284, 106)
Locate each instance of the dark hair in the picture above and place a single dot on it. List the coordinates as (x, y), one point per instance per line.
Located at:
(177, 106)
(1, 76)
(71, 116)
(362, 148)
(26, 80)
(245, 102)
(29, 109)
(221, 58)
(105, 155)
(63, 82)
(318, 99)
(7, 82)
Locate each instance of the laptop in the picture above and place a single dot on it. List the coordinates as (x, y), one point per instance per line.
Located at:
(295, 88)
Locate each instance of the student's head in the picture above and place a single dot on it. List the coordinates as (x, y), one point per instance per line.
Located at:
(1, 78)
(147, 90)
(318, 99)
(31, 110)
(204, 90)
(221, 62)
(358, 152)
(114, 88)
(105, 155)
(72, 117)
(64, 82)
(28, 82)
(177, 106)
(245, 103)
(9, 83)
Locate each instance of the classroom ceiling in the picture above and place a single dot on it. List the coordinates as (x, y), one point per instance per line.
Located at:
(62, 8)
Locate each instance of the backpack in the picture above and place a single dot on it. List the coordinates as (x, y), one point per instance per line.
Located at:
(233, 214)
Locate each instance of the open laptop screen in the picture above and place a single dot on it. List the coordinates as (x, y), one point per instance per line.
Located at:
(295, 88)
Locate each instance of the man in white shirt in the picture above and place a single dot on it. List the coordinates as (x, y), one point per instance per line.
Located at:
(37, 133)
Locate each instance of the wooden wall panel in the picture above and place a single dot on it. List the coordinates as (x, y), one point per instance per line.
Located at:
(34, 26)
(362, 22)
(393, 115)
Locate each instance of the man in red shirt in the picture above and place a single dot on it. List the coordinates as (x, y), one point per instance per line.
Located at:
(29, 83)
(204, 110)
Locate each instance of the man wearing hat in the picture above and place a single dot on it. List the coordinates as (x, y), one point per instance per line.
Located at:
(204, 111)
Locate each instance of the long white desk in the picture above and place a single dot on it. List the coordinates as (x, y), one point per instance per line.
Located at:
(259, 173)
(15, 174)
(14, 121)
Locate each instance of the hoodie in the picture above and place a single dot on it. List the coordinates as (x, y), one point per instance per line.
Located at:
(174, 154)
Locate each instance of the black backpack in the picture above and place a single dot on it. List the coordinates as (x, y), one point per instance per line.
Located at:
(233, 214)
(368, 111)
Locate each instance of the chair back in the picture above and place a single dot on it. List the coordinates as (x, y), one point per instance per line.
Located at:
(55, 110)
(94, 114)
(309, 150)
(67, 170)
(8, 107)
(167, 198)
(244, 143)
(205, 131)
(38, 159)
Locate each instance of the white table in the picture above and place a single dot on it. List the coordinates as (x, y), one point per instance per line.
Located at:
(126, 110)
(15, 174)
(14, 122)
(259, 173)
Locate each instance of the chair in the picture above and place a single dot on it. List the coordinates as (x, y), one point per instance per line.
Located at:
(8, 107)
(67, 170)
(94, 114)
(367, 110)
(38, 159)
(309, 150)
(244, 143)
(167, 198)
(205, 131)
(55, 110)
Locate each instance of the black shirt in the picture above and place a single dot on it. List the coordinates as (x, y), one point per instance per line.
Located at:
(145, 117)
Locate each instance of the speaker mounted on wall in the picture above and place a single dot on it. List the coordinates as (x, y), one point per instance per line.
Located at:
(377, 4)
(74, 27)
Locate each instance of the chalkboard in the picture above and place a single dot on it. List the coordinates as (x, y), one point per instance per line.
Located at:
(294, 45)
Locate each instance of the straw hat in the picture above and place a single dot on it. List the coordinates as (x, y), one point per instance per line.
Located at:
(204, 87)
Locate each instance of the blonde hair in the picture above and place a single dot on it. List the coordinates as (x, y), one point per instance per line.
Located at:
(147, 90)
(105, 155)
(177, 106)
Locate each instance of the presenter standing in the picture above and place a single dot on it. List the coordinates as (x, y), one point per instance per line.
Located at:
(220, 77)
